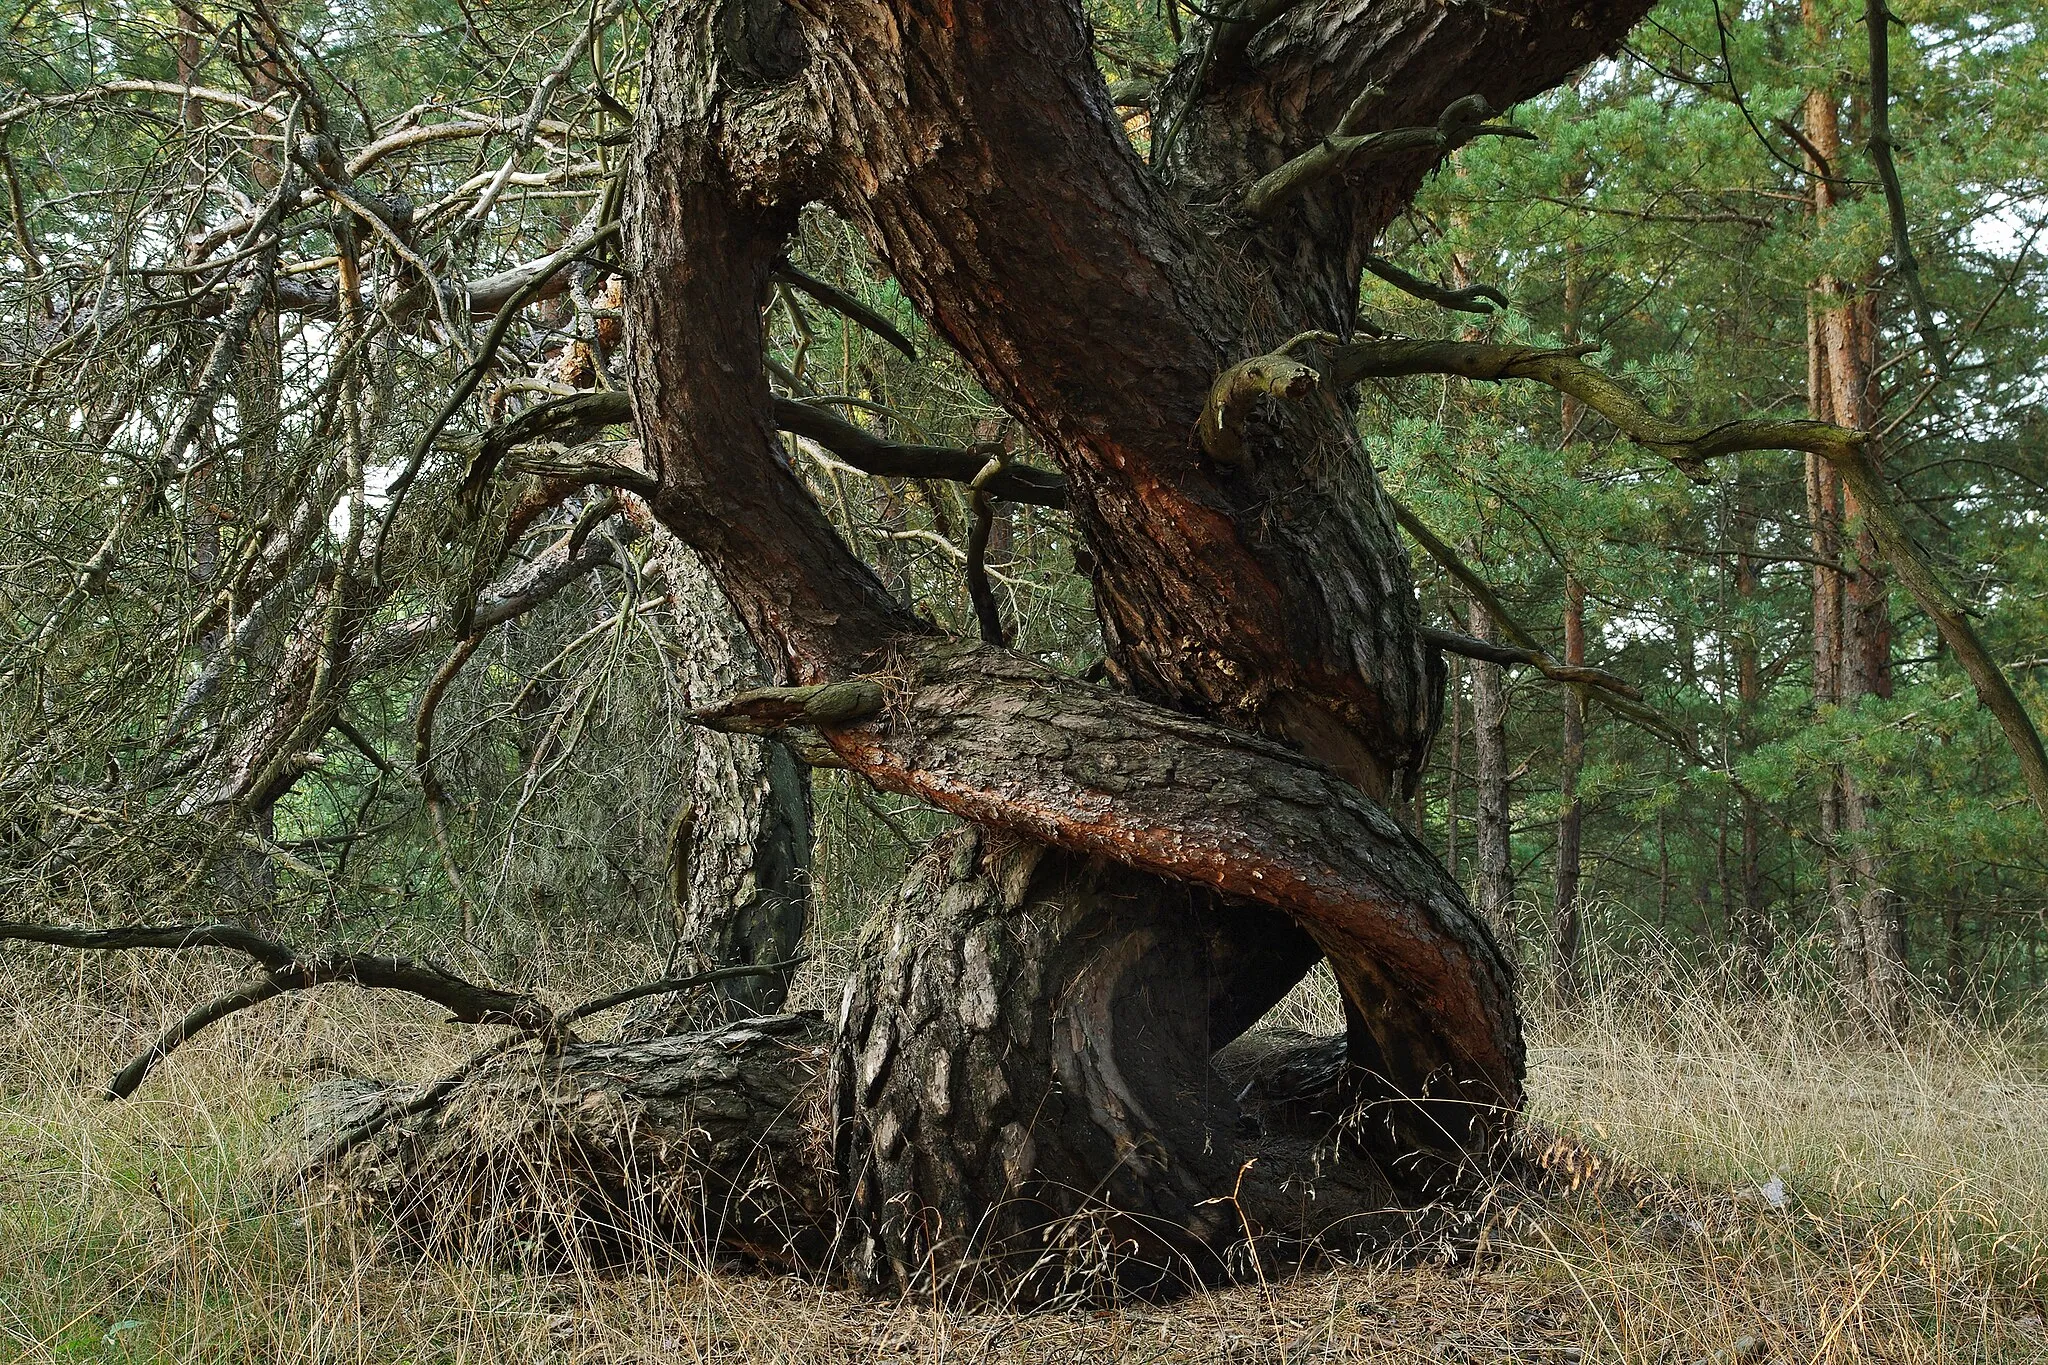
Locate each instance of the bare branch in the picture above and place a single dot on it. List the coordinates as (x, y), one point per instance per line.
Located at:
(1462, 122)
(583, 416)
(872, 455)
(770, 710)
(280, 969)
(1472, 647)
(843, 303)
(44, 104)
(987, 611)
(1877, 24)
(433, 1092)
(1478, 298)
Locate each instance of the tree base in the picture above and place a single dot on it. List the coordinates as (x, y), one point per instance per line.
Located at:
(1043, 1085)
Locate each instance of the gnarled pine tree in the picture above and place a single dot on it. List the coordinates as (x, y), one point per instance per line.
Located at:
(1043, 1058)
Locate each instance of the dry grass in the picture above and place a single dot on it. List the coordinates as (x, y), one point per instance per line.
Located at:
(1914, 1225)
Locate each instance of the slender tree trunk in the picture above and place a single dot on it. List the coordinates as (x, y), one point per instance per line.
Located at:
(1566, 984)
(1493, 869)
(1565, 944)
(1854, 605)
(1755, 936)
(1455, 697)
(741, 844)
(1663, 877)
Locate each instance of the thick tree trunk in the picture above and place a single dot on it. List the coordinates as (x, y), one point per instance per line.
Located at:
(1032, 1096)
(1044, 1084)
(712, 1143)
(1026, 1080)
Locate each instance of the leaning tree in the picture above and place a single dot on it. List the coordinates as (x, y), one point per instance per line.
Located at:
(1043, 1062)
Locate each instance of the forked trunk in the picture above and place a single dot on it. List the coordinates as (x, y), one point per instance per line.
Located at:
(1044, 1064)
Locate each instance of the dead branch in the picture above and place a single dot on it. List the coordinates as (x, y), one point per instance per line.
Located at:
(581, 417)
(958, 464)
(1471, 647)
(435, 1091)
(842, 303)
(282, 968)
(1221, 430)
(770, 710)
(45, 104)
(1624, 701)
(1877, 25)
(471, 377)
(1462, 122)
(988, 613)
(1478, 298)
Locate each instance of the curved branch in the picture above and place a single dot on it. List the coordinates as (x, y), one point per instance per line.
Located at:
(1689, 447)
(1478, 298)
(583, 417)
(872, 455)
(253, 991)
(1015, 746)
(988, 613)
(1472, 647)
(280, 969)
(41, 104)
(1624, 701)
(1877, 24)
(1221, 429)
(471, 377)
(1462, 122)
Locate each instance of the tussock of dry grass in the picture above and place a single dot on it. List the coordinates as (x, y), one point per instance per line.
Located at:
(1914, 1224)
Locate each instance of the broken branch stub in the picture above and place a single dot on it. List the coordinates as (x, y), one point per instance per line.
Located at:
(771, 710)
(1221, 429)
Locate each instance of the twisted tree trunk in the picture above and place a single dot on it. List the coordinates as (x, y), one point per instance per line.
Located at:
(1043, 1065)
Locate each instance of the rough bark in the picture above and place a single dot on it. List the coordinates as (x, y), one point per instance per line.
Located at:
(989, 1139)
(741, 844)
(1852, 611)
(1126, 850)
(1016, 747)
(708, 1143)
(962, 1137)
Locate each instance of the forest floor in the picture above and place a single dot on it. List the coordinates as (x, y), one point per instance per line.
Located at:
(1789, 1193)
